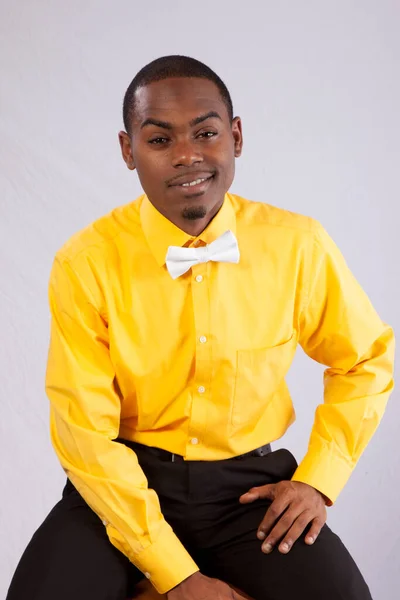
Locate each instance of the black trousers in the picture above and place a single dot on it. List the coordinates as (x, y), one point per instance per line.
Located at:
(70, 556)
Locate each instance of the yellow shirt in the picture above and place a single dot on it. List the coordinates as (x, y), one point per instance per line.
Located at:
(197, 365)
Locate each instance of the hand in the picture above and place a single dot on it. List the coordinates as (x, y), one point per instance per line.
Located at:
(301, 505)
(200, 587)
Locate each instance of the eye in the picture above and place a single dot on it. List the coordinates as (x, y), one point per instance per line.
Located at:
(158, 141)
(208, 134)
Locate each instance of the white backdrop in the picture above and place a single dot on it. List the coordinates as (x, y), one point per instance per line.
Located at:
(317, 86)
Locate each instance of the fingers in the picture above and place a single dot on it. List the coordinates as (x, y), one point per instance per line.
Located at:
(240, 596)
(315, 530)
(298, 528)
(295, 531)
(264, 491)
(272, 515)
(294, 506)
(229, 591)
(281, 529)
(292, 533)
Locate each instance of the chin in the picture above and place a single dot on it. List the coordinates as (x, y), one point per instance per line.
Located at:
(194, 213)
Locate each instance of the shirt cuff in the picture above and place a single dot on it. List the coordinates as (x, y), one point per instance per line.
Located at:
(166, 562)
(324, 471)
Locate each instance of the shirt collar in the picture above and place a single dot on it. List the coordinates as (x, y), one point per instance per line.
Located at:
(160, 233)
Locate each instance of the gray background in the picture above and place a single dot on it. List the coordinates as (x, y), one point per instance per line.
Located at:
(317, 86)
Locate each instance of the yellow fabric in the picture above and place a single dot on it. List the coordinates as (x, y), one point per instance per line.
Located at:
(137, 355)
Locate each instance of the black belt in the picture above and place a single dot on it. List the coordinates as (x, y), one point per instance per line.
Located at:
(171, 457)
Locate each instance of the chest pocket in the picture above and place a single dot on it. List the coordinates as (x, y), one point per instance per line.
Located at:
(260, 376)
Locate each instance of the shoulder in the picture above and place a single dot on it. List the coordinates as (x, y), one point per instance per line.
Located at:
(99, 236)
(260, 214)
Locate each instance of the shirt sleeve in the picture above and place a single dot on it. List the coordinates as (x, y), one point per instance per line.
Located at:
(340, 329)
(84, 421)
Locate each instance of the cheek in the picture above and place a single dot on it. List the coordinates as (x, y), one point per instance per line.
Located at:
(152, 169)
(229, 176)
(225, 163)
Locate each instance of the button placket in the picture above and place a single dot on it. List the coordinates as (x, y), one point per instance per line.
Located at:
(201, 311)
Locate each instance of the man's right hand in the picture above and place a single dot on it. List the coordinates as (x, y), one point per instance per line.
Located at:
(200, 587)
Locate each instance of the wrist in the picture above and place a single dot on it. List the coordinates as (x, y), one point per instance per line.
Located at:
(183, 584)
(324, 498)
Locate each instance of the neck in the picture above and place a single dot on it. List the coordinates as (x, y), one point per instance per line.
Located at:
(194, 228)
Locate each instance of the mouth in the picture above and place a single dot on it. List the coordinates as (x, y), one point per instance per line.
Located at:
(196, 186)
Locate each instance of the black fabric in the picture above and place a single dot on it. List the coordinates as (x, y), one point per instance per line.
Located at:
(70, 555)
(170, 457)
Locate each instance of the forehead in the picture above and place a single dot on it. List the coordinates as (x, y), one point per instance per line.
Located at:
(178, 98)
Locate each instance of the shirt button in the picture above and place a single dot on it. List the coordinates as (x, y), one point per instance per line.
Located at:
(203, 339)
(194, 441)
(199, 278)
(201, 389)
(105, 523)
(147, 574)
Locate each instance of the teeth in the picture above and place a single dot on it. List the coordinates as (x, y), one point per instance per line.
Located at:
(194, 182)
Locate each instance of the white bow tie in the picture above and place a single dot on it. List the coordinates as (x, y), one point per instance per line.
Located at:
(223, 249)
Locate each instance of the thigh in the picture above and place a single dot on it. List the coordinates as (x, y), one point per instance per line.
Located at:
(70, 556)
(323, 571)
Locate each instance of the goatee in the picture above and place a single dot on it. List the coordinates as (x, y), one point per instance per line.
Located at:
(193, 213)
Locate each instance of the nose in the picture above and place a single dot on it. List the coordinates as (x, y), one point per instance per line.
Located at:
(185, 154)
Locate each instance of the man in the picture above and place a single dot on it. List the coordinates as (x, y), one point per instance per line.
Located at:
(175, 319)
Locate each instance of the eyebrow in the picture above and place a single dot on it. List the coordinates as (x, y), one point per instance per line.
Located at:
(166, 125)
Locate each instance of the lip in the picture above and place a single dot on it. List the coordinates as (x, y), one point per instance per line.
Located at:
(190, 177)
(194, 189)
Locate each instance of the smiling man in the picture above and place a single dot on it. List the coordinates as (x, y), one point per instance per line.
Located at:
(190, 193)
(175, 319)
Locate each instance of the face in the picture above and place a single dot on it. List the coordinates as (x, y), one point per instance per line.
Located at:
(181, 134)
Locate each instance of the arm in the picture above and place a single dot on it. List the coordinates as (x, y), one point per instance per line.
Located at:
(340, 328)
(85, 419)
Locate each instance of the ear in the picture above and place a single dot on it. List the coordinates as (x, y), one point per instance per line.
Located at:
(126, 150)
(237, 136)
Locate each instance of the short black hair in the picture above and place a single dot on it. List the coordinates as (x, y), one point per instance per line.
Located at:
(174, 65)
